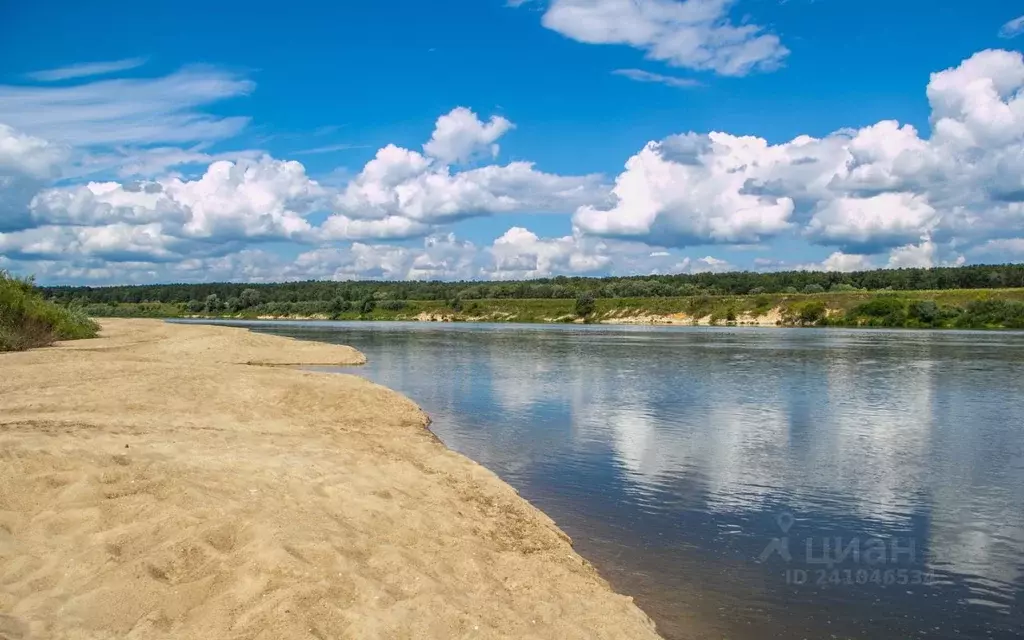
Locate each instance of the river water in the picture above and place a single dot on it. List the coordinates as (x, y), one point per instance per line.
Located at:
(747, 483)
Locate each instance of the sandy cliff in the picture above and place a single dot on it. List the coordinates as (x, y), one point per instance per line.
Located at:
(155, 485)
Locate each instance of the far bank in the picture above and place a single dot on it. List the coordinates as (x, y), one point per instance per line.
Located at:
(919, 309)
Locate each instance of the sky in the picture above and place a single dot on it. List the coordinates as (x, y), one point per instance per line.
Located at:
(506, 139)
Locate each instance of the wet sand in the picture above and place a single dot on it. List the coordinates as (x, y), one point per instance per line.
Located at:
(182, 481)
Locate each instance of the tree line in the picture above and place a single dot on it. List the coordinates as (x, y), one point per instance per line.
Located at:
(364, 295)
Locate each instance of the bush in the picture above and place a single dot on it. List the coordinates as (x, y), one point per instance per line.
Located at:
(993, 313)
(812, 312)
(392, 305)
(27, 320)
(840, 287)
(585, 304)
(883, 311)
(814, 288)
(881, 307)
(338, 306)
(212, 304)
(368, 306)
(924, 311)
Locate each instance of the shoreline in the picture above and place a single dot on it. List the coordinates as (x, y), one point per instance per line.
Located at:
(157, 484)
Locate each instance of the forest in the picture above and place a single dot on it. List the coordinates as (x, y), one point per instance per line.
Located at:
(240, 296)
(975, 297)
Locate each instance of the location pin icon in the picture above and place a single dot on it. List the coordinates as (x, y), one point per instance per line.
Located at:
(785, 521)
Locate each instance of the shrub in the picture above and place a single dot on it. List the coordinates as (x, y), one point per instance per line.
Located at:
(924, 311)
(212, 304)
(811, 312)
(27, 320)
(392, 305)
(338, 305)
(881, 307)
(814, 288)
(368, 306)
(842, 286)
(883, 311)
(585, 304)
(993, 313)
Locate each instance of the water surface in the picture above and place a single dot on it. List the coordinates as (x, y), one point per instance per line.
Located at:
(746, 483)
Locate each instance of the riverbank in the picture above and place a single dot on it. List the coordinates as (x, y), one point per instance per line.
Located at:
(924, 309)
(158, 482)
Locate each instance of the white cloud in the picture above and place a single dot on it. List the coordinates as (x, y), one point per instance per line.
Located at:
(885, 219)
(82, 70)
(1003, 247)
(911, 256)
(689, 190)
(639, 75)
(27, 155)
(865, 191)
(695, 34)
(520, 253)
(115, 242)
(248, 200)
(707, 264)
(845, 262)
(136, 111)
(1013, 28)
(26, 164)
(341, 227)
(441, 257)
(878, 195)
(460, 136)
(407, 192)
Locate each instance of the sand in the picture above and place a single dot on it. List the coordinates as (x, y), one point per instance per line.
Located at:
(162, 482)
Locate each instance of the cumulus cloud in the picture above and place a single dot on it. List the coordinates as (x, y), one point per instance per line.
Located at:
(171, 218)
(460, 135)
(844, 262)
(886, 219)
(520, 253)
(26, 164)
(881, 195)
(412, 191)
(865, 191)
(689, 190)
(695, 34)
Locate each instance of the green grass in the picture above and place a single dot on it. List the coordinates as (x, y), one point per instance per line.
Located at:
(948, 308)
(27, 320)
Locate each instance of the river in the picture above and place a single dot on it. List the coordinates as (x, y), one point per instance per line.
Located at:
(746, 483)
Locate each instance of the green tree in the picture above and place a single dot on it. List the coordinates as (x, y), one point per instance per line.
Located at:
(212, 304)
(248, 298)
(338, 306)
(585, 304)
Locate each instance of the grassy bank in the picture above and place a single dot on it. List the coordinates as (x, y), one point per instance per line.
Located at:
(27, 320)
(953, 308)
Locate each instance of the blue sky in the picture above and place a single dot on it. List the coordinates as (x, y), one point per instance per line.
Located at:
(230, 141)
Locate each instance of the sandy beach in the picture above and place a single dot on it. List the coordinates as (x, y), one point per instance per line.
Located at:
(185, 481)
